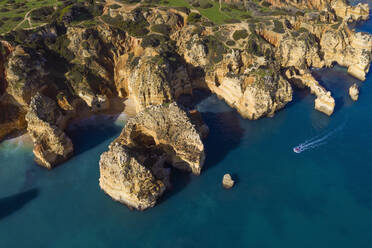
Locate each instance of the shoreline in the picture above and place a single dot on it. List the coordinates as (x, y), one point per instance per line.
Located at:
(121, 109)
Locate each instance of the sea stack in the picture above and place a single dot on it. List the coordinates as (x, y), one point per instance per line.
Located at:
(354, 92)
(135, 171)
(227, 181)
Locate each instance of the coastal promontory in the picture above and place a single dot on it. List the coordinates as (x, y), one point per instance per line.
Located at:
(95, 57)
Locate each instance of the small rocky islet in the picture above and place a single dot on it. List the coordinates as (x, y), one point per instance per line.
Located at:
(151, 55)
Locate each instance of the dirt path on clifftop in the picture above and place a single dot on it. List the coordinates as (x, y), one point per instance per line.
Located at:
(124, 7)
(27, 18)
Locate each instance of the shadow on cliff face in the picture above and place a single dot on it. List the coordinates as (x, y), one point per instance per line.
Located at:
(298, 96)
(225, 135)
(86, 136)
(179, 180)
(11, 204)
(338, 81)
(191, 101)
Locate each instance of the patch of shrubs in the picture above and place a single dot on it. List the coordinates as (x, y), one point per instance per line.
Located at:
(42, 14)
(230, 43)
(115, 6)
(129, 1)
(137, 28)
(205, 4)
(77, 12)
(240, 34)
(183, 9)
(215, 48)
(336, 26)
(253, 47)
(60, 47)
(232, 21)
(245, 16)
(266, 4)
(193, 18)
(226, 9)
(153, 40)
(278, 27)
(161, 29)
(303, 30)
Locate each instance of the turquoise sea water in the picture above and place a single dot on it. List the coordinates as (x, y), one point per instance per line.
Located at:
(319, 198)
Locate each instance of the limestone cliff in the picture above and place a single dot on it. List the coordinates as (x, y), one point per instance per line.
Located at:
(25, 74)
(5, 50)
(133, 170)
(152, 55)
(128, 181)
(354, 92)
(349, 49)
(170, 128)
(246, 79)
(350, 13)
(340, 7)
(45, 124)
(324, 102)
(12, 117)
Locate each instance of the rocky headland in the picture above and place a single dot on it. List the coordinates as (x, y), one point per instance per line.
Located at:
(151, 55)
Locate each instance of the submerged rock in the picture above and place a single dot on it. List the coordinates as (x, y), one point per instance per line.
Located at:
(354, 92)
(227, 181)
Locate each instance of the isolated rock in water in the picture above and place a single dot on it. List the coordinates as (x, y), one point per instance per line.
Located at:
(227, 181)
(354, 92)
(45, 123)
(133, 171)
(169, 127)
(126, 180)
(324, 102)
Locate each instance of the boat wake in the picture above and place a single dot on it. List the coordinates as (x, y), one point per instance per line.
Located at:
(317, 140)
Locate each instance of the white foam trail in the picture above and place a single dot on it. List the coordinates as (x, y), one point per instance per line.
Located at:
(311, 147)
(317, 141)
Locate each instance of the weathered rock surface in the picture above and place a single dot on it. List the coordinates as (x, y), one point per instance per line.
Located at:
(126, 180)
(25, 74)
(350, 13)
(324, 102)
(152, 55)
(354, 92)
(227, 181)
(151, 79)
(245, 80)
(340, 7)
(168, 127)
(45, 124)
(300, 52)
(349, 49)
(5, 50)
(12, 119)
(133, 170)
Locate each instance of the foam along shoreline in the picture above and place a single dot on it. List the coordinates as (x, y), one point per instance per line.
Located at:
(118, 119)
(13, 144)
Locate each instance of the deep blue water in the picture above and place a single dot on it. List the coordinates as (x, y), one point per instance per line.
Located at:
(319, 198)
